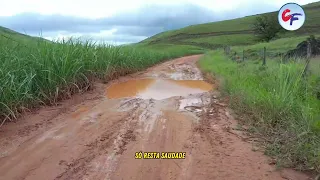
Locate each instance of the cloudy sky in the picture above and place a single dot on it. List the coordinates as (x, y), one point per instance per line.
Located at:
(122, 21)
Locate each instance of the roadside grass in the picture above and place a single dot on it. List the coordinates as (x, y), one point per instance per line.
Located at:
(278, 103)
(315, 66)
(276, 46)
(44, 72)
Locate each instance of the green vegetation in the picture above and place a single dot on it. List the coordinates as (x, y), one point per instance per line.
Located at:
(216, 34)
(279, 45)
(10, 36)
(41, 71)
(274, 49)
(229, 40)
(280, 105)
(241, 24)
(266, 27)
(315, 66)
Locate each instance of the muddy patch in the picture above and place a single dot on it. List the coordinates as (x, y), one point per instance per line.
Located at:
(156, 88)
(181, 71)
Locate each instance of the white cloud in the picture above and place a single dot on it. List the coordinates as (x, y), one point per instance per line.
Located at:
(122, 20)
(106, 8)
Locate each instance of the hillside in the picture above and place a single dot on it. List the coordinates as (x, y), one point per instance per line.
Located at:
(13, 36)
(232, 32)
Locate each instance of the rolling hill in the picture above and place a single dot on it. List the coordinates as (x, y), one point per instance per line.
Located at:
(13, 36)
(230, 32)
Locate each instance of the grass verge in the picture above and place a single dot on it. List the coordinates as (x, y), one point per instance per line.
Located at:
(277, 46)
(44, 72)
(278, 103)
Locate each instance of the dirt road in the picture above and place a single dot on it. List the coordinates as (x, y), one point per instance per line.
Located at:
(95, 135)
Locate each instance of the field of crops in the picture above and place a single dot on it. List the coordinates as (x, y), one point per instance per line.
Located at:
(43, 72)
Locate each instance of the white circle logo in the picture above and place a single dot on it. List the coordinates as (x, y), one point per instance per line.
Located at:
(291, 16)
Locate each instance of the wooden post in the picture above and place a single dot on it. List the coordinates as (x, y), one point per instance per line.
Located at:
(264, 56)
(306, 68)
(227, 50)
(309, 50)
(242, 55)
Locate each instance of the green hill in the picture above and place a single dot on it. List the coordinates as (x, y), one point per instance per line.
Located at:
(10, 36)
(231, 32)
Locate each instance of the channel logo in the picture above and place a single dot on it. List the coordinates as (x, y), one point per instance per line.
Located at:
(291, 16)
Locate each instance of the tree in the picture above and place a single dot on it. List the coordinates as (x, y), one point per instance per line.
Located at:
(266, 27)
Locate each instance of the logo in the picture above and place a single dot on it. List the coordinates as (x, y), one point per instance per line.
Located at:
(291, 16)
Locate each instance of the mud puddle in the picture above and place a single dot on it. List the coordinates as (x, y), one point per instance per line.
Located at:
(156, 88)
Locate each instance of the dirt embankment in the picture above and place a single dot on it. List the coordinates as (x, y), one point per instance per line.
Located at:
(167, 108)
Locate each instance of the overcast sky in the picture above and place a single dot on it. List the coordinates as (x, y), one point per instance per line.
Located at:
(122, 21)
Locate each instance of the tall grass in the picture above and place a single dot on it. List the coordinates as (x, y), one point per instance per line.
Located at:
(44, 72)
(280, 103)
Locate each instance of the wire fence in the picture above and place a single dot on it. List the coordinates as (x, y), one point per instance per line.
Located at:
(263, 55)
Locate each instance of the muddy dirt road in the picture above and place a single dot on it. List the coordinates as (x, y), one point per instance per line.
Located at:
(95, 135)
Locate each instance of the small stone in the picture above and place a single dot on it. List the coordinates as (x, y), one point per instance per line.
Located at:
(255, 148)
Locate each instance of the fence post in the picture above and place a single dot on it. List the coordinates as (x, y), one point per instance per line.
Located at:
(309, 51)
(264, 56)
(306, 68)
(242, 55)
(227, 50)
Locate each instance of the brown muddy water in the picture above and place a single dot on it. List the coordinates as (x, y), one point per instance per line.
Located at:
(156, 88)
